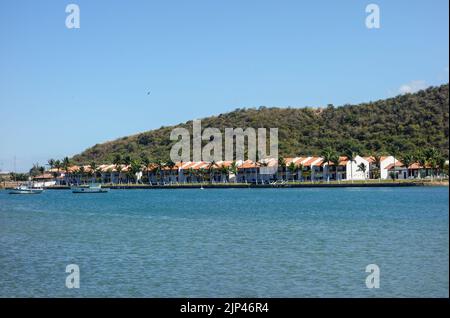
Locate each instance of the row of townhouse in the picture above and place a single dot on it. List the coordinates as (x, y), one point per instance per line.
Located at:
(308, 168)
(304, 169)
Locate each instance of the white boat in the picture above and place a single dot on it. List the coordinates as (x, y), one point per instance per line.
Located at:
(89, 189)
(23, 189)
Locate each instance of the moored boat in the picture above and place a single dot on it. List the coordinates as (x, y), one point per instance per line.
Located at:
(89, 189)
(23, 189)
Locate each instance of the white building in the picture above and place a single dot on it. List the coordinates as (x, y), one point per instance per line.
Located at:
(354, 171)
(386, 162)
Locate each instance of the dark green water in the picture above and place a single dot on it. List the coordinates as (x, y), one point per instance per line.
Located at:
(227, 242)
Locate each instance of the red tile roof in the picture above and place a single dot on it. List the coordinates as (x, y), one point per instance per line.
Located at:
(398, 164)
(44, 176)
(248, 164)
(310, 161)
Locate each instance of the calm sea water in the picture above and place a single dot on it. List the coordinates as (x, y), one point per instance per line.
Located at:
(226, 242)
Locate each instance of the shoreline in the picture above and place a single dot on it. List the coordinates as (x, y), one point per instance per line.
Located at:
(264, 186)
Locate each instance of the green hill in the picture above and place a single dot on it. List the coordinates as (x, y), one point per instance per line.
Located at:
(406, 122)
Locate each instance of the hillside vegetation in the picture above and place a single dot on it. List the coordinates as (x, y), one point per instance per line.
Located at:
(403, 124)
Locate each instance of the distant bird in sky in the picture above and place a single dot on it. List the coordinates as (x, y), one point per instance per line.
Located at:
(148, 93)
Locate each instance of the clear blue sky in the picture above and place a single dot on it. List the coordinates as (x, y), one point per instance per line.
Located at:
(64, 90)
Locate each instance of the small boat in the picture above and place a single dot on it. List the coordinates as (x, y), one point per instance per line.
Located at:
(24, 189)
(89, 189)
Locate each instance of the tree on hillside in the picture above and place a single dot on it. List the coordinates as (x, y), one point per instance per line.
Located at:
(414, 121)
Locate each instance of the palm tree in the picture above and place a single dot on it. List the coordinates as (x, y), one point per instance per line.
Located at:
(444, 167)
(159, 168)
(362, 167)
(202, 173)
(127, 160)
(93, 170)
(81, 172)
(98, 174)
(408, 160)
(300, 168)
(421, 160)
(282, 164)
(191, 174)
(224, 171)
(377, 163)
(170, 164)
(305, 172)
(292, 169)
(432, 156)
(119, 171)
(89, 174)
(328, 154)
(135, 168)
(211, 168)
(109, 171)
(117, 160)
(66, 161)
(145, 162)
(262, 163)
(51, 163)
(153, 168)
(395, 149)
(351, 155)
(234, 170)
(335, 160)
(440, 165)
(57, 165)
(66, 164)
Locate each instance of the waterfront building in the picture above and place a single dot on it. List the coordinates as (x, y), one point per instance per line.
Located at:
(265, 171)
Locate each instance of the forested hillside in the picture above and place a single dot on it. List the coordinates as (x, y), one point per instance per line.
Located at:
(402, 124)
